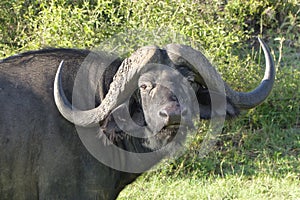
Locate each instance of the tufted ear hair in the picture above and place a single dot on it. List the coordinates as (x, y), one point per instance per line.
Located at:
(207, 112)
(204, 96)
(135, 109)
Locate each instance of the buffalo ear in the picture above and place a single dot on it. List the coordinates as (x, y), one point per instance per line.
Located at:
(206, 110)
(136, 110)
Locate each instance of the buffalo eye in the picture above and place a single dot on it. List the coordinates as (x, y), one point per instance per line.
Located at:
(146, 86)
(143, 87)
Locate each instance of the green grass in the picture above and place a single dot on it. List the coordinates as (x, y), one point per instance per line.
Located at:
(257, 156)
(230, 187)
(255, 165)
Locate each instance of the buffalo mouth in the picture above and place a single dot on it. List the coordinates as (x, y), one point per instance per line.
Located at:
(181, 123)
(175, 126)
(168, 132)
(172, 126)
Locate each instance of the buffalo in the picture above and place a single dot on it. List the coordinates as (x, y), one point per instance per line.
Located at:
(137, 104)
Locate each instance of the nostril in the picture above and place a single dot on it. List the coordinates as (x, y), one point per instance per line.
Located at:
(173, 98)
(170, 115)
(163, 113)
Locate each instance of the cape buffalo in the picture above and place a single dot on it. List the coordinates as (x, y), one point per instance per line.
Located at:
(42, 153)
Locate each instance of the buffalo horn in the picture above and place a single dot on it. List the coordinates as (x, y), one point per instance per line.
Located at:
(197, 62)
(124, 82)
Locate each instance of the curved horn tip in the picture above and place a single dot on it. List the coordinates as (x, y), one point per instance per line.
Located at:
(261, 92)
(270, 66)
(80, 118)
(60, 100)
(61, 65)
(263, 44)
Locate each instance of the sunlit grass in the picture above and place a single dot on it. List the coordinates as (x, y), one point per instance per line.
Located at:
(265, 165)
(230, 187)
